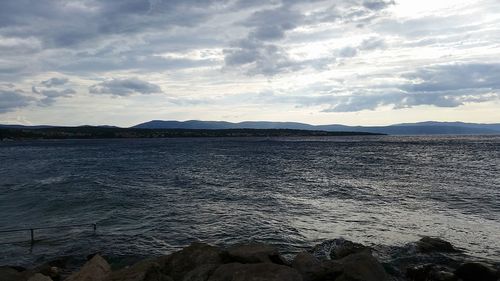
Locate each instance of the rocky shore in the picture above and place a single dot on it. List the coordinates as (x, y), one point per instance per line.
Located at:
(429, 259)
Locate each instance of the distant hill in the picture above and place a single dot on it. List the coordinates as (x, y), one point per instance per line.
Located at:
(90, 132)
(422, 128)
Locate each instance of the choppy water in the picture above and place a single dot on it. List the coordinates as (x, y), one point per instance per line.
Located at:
(149, 197)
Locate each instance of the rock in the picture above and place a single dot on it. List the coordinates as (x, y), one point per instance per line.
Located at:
(360, 267)
(180, 263)
(51, 271)
(430, 272)
(254, 253)
(419, 273)
(10, 274)
(39, 277)
(255, 272)
(201, 273)
(429, 244)
(313, 269)
(443, 276)
(96, 269)
(473, 271)
(146, 270)
(346, 248)
(338, 248)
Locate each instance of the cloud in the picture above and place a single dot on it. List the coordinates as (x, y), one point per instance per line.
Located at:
(348, 52)
(55, 82)
(448, 85)
(337, 55)
(373, 43)
(12, 99)
(259, 58)
(272, 24)
(124, 87)
(377, 5)
(454, 77)
(49, 96)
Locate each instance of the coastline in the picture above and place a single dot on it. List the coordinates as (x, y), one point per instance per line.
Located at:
(89, 132)
(338, 259)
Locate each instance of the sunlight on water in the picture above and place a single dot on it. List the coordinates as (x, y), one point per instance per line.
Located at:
(150, 197)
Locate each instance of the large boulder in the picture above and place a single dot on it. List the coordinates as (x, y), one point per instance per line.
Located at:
(201, 273)
(313, 269)
(255, 272)
(472, 271)
(254, 253)
(178, 264)
(39, 277)
(10, 274)
(430, 244)
(53, 272)
(96, 269)
(359, 267)
(338, 248)
(346, 247)
(146, 270)
(430, 272)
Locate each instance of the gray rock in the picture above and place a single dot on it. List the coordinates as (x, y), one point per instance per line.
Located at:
(146, 270)
(178, 264)
(430, 244)
(10, 274)
(254, 253)
(39, 277)
(96, 269)
(255, 272)
(473, 271)
(430, 272)
(313, 269)
(201, 273)
(53, 272)
(360, 267)
(347, 248)
(338, 248)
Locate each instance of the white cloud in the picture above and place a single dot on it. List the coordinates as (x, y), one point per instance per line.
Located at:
(356, 56)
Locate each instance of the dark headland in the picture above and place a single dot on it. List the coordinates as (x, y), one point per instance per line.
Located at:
(198, 128)
(429, 259)
(95, 132)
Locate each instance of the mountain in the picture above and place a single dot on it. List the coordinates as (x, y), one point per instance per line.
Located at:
(421, 128)
(24, 126)
(91, 132)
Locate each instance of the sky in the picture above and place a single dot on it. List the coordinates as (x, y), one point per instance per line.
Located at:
(353, 62)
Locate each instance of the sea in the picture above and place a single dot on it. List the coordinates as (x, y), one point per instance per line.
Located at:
(150, 197)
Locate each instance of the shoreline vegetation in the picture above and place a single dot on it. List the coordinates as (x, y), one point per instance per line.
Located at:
(95, 132)
(429, 259)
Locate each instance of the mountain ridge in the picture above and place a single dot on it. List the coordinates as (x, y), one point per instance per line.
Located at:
(419, 128)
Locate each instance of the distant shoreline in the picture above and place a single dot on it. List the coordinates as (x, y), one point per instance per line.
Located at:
(90, 132)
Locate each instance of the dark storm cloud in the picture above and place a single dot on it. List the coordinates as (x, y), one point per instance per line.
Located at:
(124, 87)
